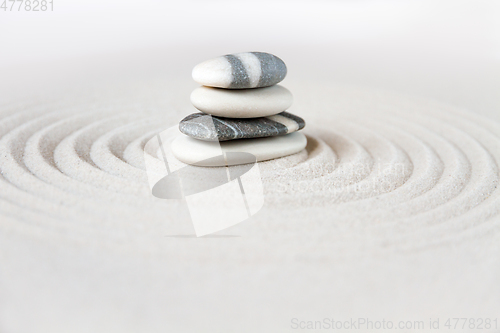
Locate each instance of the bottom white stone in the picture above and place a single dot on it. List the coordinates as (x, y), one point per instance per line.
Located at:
(205, 153)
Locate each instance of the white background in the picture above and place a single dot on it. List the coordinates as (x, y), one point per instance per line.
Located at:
(444, 50)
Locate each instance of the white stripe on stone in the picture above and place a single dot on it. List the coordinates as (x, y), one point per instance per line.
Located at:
(252, 67)
(290, 124)
(214, 72)
(235, 130)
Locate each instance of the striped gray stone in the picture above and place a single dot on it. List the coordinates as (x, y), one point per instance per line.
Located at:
(210, 128)
(241, 71)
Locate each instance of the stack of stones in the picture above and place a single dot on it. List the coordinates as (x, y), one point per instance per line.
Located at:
(243, 111)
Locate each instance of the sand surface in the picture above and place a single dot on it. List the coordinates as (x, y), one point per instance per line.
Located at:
(392, 211)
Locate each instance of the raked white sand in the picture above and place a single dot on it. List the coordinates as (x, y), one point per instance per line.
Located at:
(391, 211)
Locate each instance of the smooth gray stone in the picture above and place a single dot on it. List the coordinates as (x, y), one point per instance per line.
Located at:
(205, 127)
(241, 71)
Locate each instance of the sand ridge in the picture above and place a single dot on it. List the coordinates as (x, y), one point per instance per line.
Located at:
(423, 168)
(392, 196)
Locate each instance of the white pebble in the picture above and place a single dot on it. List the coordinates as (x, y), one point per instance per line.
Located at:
(247, 103)
(197, 152)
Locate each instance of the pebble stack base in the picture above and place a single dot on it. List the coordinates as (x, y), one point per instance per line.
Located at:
(195, 152)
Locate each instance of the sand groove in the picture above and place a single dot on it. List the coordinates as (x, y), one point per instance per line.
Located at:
(402, 165)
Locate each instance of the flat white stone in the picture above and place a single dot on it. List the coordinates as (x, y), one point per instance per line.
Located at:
(203, 153)
(247, 103)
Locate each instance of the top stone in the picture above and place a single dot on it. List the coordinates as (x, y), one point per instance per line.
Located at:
(241, 71)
